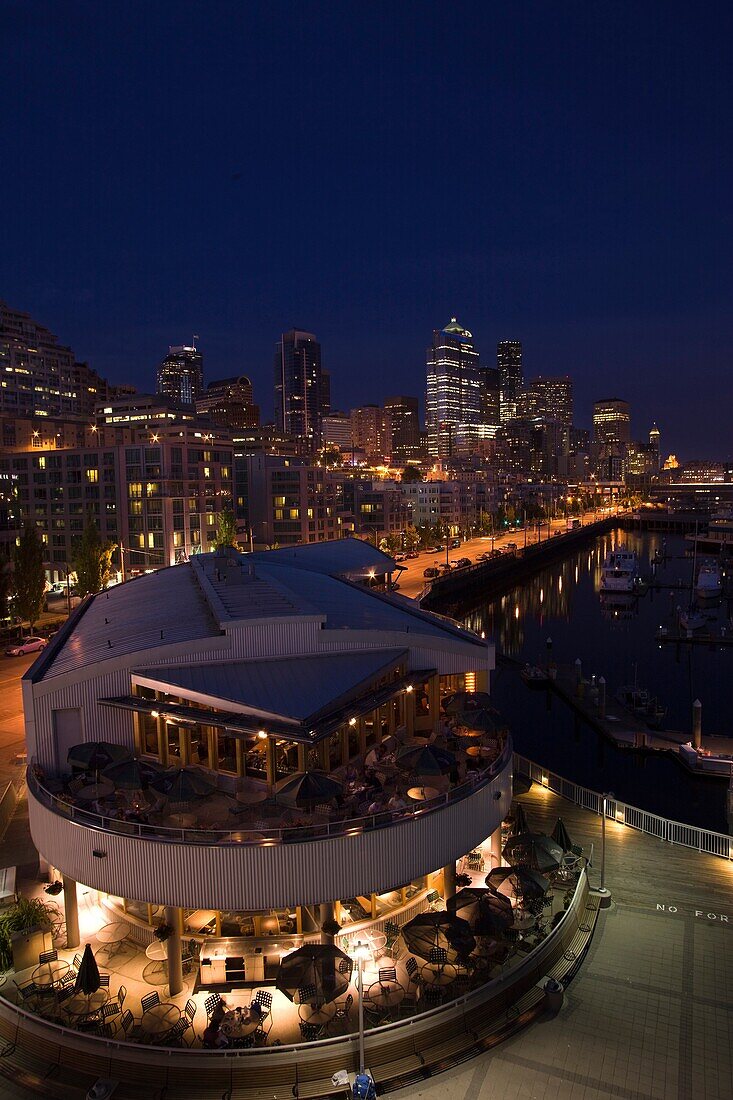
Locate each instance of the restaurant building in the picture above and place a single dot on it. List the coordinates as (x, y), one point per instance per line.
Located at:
(248, 672)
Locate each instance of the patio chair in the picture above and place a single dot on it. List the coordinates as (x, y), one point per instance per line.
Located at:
(104, 981)
(211, 1003)
(346, 966)
(77, 962)
(187, 961)
(119, 999)
(177, 1033)
(387, 974)
(310, 1032)
(27, 991)
(264, 1000)
(438, 958)
(150, 1000)
(433, 899)
(190, 1010)
(48, 956)
(413, 971)
(259, 1037)
(475, 861)
(342, 1012)
(432, 995)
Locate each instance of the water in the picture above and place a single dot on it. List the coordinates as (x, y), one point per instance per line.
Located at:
(620, 643)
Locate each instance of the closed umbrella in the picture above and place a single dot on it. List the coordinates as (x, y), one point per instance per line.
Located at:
(534, 850)
(489, 914)
(466, 700)
(87, 978)
(315, 966)
(518, 882)
(96, 755)
(427, 931)
(183, 785)
(425, 760)
(561, 836)
(308, 789)
(520, 824)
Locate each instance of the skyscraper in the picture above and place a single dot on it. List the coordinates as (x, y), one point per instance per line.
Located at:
(453, 401)
(405, 418)
(490, 397)
(509, 364)
(611, 421)
(551, 398)
(228, 401)
(298, 386)
(181, 374)
(371, 430)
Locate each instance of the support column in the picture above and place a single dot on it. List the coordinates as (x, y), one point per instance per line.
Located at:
(495, 848)
(72, 912)
(449, 885)
(173, 917)
(327, 915)
(697, 724)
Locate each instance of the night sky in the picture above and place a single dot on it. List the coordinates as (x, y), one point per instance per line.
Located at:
(555, 173)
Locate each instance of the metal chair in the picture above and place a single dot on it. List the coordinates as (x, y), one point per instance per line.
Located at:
(77, 961)
(150, 1000)
(211, 1003)
(307, 994)
(48, 956)
(438, 958)
(342, 1011)
(177, 1033)
(264, 1000)
(387, 974)
(310, 1032)
(345, 966)
(119, 999)
(104, 981)
(190, 1009)
(413, 970)
(433, 899)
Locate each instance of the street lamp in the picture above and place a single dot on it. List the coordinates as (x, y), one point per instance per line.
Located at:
(605, 894)
(360, 954)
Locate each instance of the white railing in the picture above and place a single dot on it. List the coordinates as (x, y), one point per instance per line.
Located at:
(674, 832)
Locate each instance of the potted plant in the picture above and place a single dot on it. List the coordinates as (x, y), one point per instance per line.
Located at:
(163, 932)
(25, 917)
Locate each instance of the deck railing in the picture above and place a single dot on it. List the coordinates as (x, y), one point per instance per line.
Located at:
(264, 837)
(674, 832)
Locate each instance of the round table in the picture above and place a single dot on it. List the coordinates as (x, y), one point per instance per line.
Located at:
(423, 794)
(158, 952)
(160, 1018)
(479, 750)
(317, 1014)
(235, 1025)
(385, 994)
(252, 797)
(48, 974)
(435, 975)
(83, 1004)
(179, 821)
(114, 932)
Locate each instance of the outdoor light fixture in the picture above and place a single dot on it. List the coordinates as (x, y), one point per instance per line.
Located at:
(408, 688)
(262, 735)
(352, 721)
(155, 714)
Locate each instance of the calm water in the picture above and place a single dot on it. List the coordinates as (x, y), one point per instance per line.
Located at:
(620, 643)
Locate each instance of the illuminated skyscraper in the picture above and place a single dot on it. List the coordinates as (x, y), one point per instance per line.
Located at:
(405, 420)
(453, 401)
(611, 421)
(551, 398)
(299, 390)
(181, 374)
(509, 363)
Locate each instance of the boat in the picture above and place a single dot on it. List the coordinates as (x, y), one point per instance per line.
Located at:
(642, 704)
(534, 676)
(692, 619)
(709, 580)
(619, 572)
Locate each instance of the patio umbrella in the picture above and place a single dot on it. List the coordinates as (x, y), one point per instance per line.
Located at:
(132, 775)
(466, 700)
(184, 785)
(425, 760)
(308, 788)
(315, 965)
(519, 821)
(534, 850)
(87, 978)
(96, 755)
(518, 882)
(442, 929)
(489, 914)
(483, 719)
(561, 836)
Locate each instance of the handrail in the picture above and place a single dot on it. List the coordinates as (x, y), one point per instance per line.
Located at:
(267, 837)
(675, 832)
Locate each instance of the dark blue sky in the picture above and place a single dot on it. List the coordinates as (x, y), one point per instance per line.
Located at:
(557, 173)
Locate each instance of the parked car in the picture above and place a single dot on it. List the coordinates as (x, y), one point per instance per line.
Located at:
(412, 554)
(399, 557)
(456, 544)
(511, 547)
(438, 549)
(26, 645)
(430, 572)
(462, 562)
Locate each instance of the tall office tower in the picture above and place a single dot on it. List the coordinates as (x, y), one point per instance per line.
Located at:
(371, 432)
(336, 431)
(405, 417)
(181, 374)
(611, 421)
(41, 377)
(453, 402)
(298, 386)
(655, 438)
(325, 392)
(551, 398)
(228, 402)
(490, 397)
(509, 365)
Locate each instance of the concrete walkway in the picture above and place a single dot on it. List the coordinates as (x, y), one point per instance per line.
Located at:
(649, 1012)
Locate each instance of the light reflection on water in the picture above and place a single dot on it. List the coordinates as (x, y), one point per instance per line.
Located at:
(616, 637)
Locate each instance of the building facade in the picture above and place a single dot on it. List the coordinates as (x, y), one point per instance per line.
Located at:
(509, 365)
(453, 398)
(299, 386)
(181, 375)
(229, 403)
(371, 431)
(404, 417)
(611, 421)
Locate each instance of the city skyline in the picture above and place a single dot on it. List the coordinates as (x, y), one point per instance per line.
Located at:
(600, 272)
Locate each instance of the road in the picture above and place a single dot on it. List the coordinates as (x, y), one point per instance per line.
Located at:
(12, 740)
(412, 581)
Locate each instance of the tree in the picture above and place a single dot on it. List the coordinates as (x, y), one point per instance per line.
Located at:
(411, 537)
(6, 582)
(29, 578)
(92, 560)
(411, 473)
(392, 543)
(226, 530)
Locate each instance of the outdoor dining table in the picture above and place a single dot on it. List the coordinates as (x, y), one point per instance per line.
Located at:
(317, 1014)
(385, 994)
(94, 791)
(423, 794)
(235, 1024)
(179, 821)
(86, 1004)
(48, 973)
(113, 933)
(252, 797)
(439, 975)
(158, 952)
(159, 1019)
